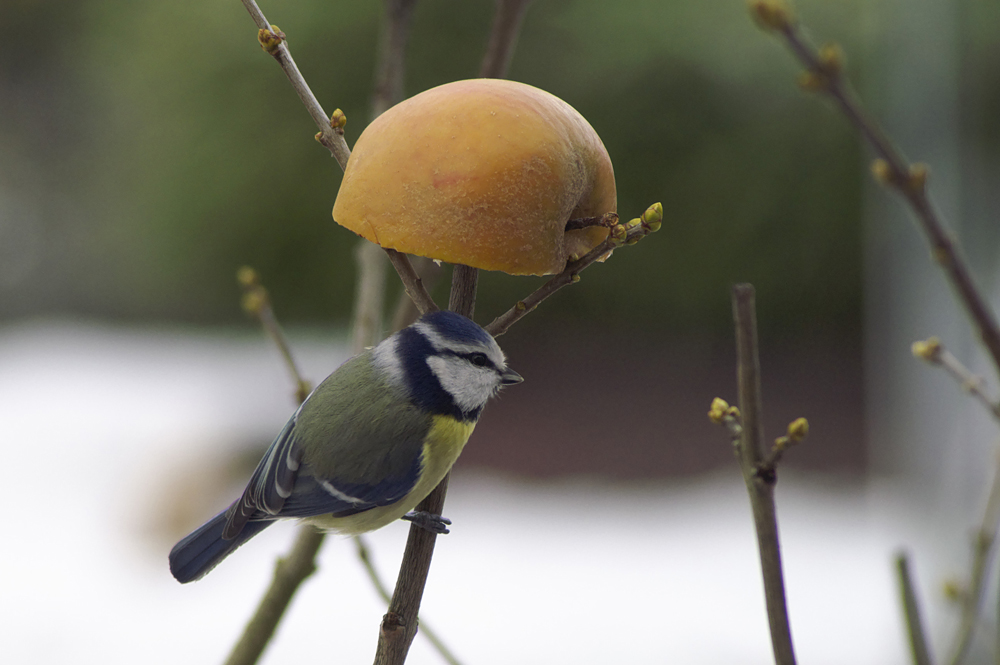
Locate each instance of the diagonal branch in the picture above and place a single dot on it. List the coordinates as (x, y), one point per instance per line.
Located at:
(273, 41)
(825, 75)
(622, 234)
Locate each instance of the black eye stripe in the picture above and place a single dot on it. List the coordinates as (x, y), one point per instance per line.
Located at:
(476, 358)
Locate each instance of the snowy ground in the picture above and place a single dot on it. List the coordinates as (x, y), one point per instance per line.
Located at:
(100, 423)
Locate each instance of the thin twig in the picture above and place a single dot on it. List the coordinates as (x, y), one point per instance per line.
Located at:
(289, 573)
(569, 275)
(825, 69)
(365, 556)
(935, 353)
(300, 562)
(370, 296)
(332, 140)
(390, 70)
(293, 569)
(911, 609)
(503, 37)
(406, 312)
(760, 486)
(607, 220)
(412, 282)
(983, 551)
(257, 301)
(328, 136)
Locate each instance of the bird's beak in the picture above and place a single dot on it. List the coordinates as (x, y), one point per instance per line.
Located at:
(509, 377)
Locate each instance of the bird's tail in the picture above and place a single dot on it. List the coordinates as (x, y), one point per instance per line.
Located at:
(202, 549)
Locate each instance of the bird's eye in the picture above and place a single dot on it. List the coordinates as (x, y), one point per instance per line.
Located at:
(479, 359)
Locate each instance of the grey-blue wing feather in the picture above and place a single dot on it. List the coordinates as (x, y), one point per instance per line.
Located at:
(270, 485)
(364, 449)
(321, 496)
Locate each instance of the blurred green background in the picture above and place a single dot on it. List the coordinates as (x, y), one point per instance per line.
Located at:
(150, 149)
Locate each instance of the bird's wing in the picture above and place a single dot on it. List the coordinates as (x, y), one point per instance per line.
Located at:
(270, 485)
(285, 486)
(321, 496)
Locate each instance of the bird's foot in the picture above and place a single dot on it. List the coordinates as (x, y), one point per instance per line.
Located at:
(428, 521)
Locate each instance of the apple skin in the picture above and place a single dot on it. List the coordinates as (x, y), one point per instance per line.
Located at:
(483, 172)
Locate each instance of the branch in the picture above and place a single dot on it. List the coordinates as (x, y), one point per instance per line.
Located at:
(911, 610)
(428, 272)
(394, 34)
(300, 563)
(621, 234)
(464, 281)
(825, 74)
(503, 37)
(760, 486)
(292, 570)
(399, 625)
(412, 282)
(331, 133)
(982, 555)
(272, 40)
(257, 302)
(289, 572)
(933, 352)
(365, 556)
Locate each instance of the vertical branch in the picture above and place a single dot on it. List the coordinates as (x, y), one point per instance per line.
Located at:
(464, 282)
(370, 297)
(503, 38)
(911, 610)
(983, 550)
(760, 482)
(399, 625)
(391, 68)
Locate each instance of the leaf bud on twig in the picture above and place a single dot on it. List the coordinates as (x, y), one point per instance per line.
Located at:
(798, 429)
(918, 177)
(271, 39)
(717, 412)
(929, 350)
(831, 59)
(254, 301)
(247, 277)
(652, 219)
(772, 14)
(338, 120)
(882, 172)
(618, 235)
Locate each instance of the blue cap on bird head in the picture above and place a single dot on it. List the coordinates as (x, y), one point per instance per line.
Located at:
(455, 327)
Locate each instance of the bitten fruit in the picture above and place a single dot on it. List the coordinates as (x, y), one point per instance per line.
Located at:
(485, 173)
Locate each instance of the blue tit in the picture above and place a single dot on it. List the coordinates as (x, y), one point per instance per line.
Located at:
(368, 444)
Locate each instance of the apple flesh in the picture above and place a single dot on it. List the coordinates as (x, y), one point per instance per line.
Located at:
(484, 172)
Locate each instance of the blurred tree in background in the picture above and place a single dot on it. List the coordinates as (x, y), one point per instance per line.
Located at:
(149, 151)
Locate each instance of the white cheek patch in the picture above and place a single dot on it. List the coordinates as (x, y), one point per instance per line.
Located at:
(471, 387)
(386, 359)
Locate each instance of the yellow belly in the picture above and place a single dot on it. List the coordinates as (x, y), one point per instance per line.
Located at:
(443, 445)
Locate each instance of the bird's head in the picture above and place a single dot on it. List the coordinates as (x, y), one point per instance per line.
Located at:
(446, 364)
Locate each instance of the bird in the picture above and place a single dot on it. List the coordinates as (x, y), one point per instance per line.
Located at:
(368, 444)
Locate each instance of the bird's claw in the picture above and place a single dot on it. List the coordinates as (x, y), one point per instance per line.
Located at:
(428, 521)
